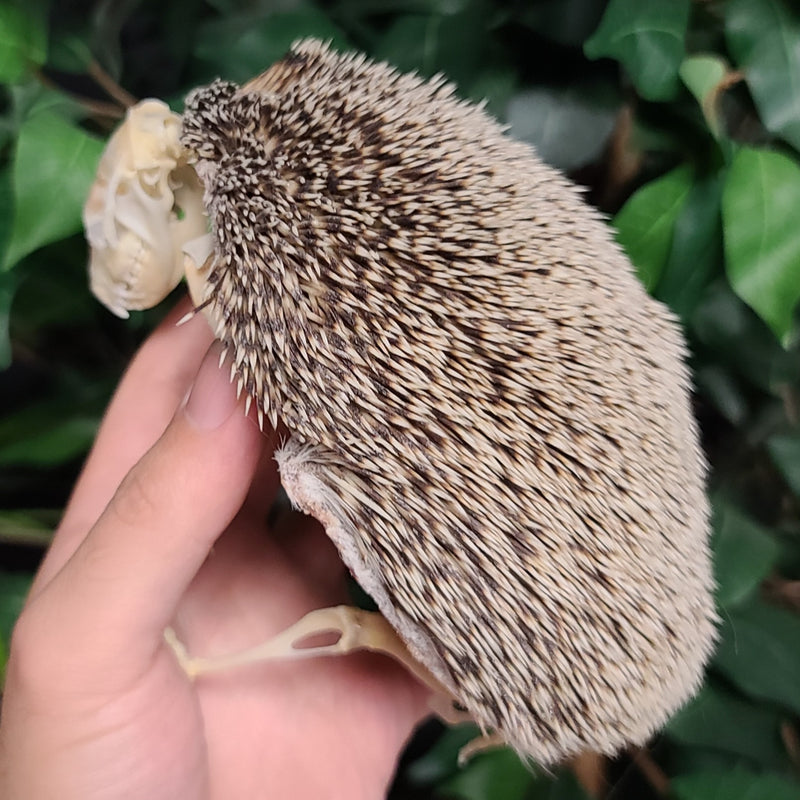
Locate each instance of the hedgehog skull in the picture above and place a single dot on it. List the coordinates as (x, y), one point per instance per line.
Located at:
(144, 208)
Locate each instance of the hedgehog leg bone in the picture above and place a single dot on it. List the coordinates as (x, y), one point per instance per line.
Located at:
(489, 741)
(356, 629)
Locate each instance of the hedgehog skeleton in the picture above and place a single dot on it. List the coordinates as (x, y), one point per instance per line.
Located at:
(488, 413)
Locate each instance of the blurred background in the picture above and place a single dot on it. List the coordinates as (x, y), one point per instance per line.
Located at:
(682, 121)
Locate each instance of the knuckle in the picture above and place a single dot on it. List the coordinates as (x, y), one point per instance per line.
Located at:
(135, 500)
(29, 659)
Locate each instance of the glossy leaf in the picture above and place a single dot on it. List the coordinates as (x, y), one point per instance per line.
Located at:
(436, 43)
(23, 42)
(69, 53)
(745, 553)
(739, 339)
(738, 784)
(13, 590)
(107, 23)
(495, 87)
(57, 442)
(496, 774)
(719, 720)
(56, 430)
(568, 22)
(764, 39)
(54, 165)
(441, 760)
(761, 234)
(240, 47)
(6, 209)
(564, 786)
(724, 392)
(411, 40)
(27, 527)
(759, 651)
(568, 127)
(8, 283)
(646, 223)
(703, 75)
(648, 39)
(695, 254)
(7, 287)
(785, 452)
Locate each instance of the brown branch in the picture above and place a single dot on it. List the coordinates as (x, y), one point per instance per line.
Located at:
(110, 86)
(96, 108)
(783, 591)
(791, 741)
(655, 776)
(590, 770)
(624, 159)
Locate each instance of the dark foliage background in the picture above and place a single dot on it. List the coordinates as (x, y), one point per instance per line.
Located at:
(682, 120)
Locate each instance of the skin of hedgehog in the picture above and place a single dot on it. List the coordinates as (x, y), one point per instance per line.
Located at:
(488, 413)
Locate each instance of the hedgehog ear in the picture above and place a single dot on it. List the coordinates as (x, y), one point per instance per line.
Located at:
(206, 122)
(253, 113)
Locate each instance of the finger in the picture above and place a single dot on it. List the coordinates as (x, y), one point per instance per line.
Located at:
(153, 386)
(145, 401)
(266, 482)
(311, 552)
(121, 587)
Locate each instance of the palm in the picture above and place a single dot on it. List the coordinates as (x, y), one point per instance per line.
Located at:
(115, 708)
(257, 731)
(265, 725)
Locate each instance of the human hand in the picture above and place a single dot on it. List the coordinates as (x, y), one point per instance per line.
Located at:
(96, 704)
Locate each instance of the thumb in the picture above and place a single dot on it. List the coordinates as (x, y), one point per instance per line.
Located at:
(125, 580)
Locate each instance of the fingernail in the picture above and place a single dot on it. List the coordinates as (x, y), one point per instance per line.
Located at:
(212, 398)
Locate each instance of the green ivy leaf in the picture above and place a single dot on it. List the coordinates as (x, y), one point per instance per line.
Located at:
(69, 53)
(240, 47)
(13, 590)
(8, 285)
(785, 452)
(6, 209)
(23, 42)
(441, 760)
(764, 38)
(568, 22)
(759, 651)
(702, 75)
(719, 720)
(429, 43)
(761, 234)
(738, 784)
(696, 251)
(737, 338)
(54, 164)
(495, 86)
(58, 440)
(499, 773)
(724, 392)
(568, 127)
(745, 553)
(32, 528)
(648, 39)
(564, 787)
(646, 223)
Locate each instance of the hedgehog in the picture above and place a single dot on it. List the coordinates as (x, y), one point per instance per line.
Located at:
(486, 411)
